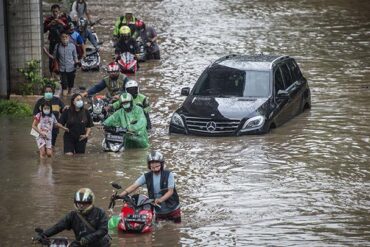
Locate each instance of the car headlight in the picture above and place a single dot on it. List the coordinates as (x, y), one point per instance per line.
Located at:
(177, 120)
(253, 123)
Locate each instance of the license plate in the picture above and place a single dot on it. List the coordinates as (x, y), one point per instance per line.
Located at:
(135, 217)
(114, 138)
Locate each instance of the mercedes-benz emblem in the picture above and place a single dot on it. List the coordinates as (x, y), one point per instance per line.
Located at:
(211, 126)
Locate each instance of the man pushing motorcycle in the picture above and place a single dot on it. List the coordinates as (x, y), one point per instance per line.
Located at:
(114, 83)
(161, 187)
(132, 118)
(89, 223)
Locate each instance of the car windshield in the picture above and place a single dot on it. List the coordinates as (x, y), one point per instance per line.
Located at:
(221, 81)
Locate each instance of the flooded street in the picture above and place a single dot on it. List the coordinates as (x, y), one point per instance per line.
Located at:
(305, 183)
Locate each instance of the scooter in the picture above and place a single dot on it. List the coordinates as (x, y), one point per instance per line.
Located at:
(137, 213)
(127, 63)
(92, 59)
(98, 108)
(54, 242)
(114, 139)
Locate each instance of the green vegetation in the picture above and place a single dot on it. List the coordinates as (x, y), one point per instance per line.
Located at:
(34, 80)
(14, 108)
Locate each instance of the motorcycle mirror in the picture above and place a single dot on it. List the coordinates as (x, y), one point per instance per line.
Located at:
(116, 186)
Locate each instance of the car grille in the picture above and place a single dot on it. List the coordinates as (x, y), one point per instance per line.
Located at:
(212, 126)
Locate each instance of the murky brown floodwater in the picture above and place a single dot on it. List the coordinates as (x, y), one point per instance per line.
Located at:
(305, 183)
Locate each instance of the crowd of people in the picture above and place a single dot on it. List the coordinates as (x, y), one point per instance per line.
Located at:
(67, 35)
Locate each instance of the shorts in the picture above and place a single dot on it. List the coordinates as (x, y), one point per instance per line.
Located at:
(41, 142)
(67, 79)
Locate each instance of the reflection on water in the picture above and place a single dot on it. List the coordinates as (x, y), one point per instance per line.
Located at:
(306, 182)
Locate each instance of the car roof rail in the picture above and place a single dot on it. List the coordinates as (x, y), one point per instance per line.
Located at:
(225, 57)
(279, 59)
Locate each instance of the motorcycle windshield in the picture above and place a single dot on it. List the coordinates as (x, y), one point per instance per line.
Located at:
(139, 200)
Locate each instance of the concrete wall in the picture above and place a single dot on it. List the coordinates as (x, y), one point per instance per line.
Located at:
(3, 52)
(24, 32)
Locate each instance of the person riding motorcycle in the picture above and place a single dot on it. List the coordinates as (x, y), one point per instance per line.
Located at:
(161, 187)
(126, 43)
(149, 37)
(126, 20)
(86, 34)
(114, 83)
(132, 87)
(132, 118)
(89, 223)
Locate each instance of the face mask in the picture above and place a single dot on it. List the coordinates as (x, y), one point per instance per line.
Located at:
(79, 103)
(126, 105)
(46, 112)
(48, 95)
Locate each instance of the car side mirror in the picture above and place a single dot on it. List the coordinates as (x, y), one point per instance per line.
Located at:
(283, 94)
(185, 91)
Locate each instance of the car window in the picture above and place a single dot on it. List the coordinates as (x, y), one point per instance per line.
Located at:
(224, 81)
(286, 75)
(295, 71)
(257, 84)
(221, 81)
(279, 83)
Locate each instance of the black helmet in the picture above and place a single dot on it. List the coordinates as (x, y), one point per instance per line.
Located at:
(155, 156)
(85, 196)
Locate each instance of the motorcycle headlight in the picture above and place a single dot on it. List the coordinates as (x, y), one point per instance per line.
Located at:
(253, 123)
(177, 120)
(98, 109)
(114, 147)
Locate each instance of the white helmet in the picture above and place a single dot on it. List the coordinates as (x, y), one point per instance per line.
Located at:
(131, 83)
(132, 87)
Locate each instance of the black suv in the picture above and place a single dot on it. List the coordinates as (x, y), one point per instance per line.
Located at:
(239, 94)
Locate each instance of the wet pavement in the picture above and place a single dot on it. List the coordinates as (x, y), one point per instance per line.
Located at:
(305, 183)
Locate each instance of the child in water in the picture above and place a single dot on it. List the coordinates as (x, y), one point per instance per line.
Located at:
(43, 124)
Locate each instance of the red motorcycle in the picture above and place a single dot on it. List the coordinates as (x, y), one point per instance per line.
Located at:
(137, 213)
(127, 63)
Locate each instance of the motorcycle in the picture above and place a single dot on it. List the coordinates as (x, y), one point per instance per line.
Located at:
(141, 55)
(127, 63)
(92, 59)
(137, 213)
(54, 242)
(114, 139)
(98, 108)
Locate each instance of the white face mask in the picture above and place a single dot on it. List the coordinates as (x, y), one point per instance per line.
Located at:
(79, 103)
(46, 112)
(126, 105)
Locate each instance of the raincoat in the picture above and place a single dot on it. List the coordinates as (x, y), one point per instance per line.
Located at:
(135, 122)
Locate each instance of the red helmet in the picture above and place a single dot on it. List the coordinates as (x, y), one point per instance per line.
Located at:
(113, 67)
(140, 24)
